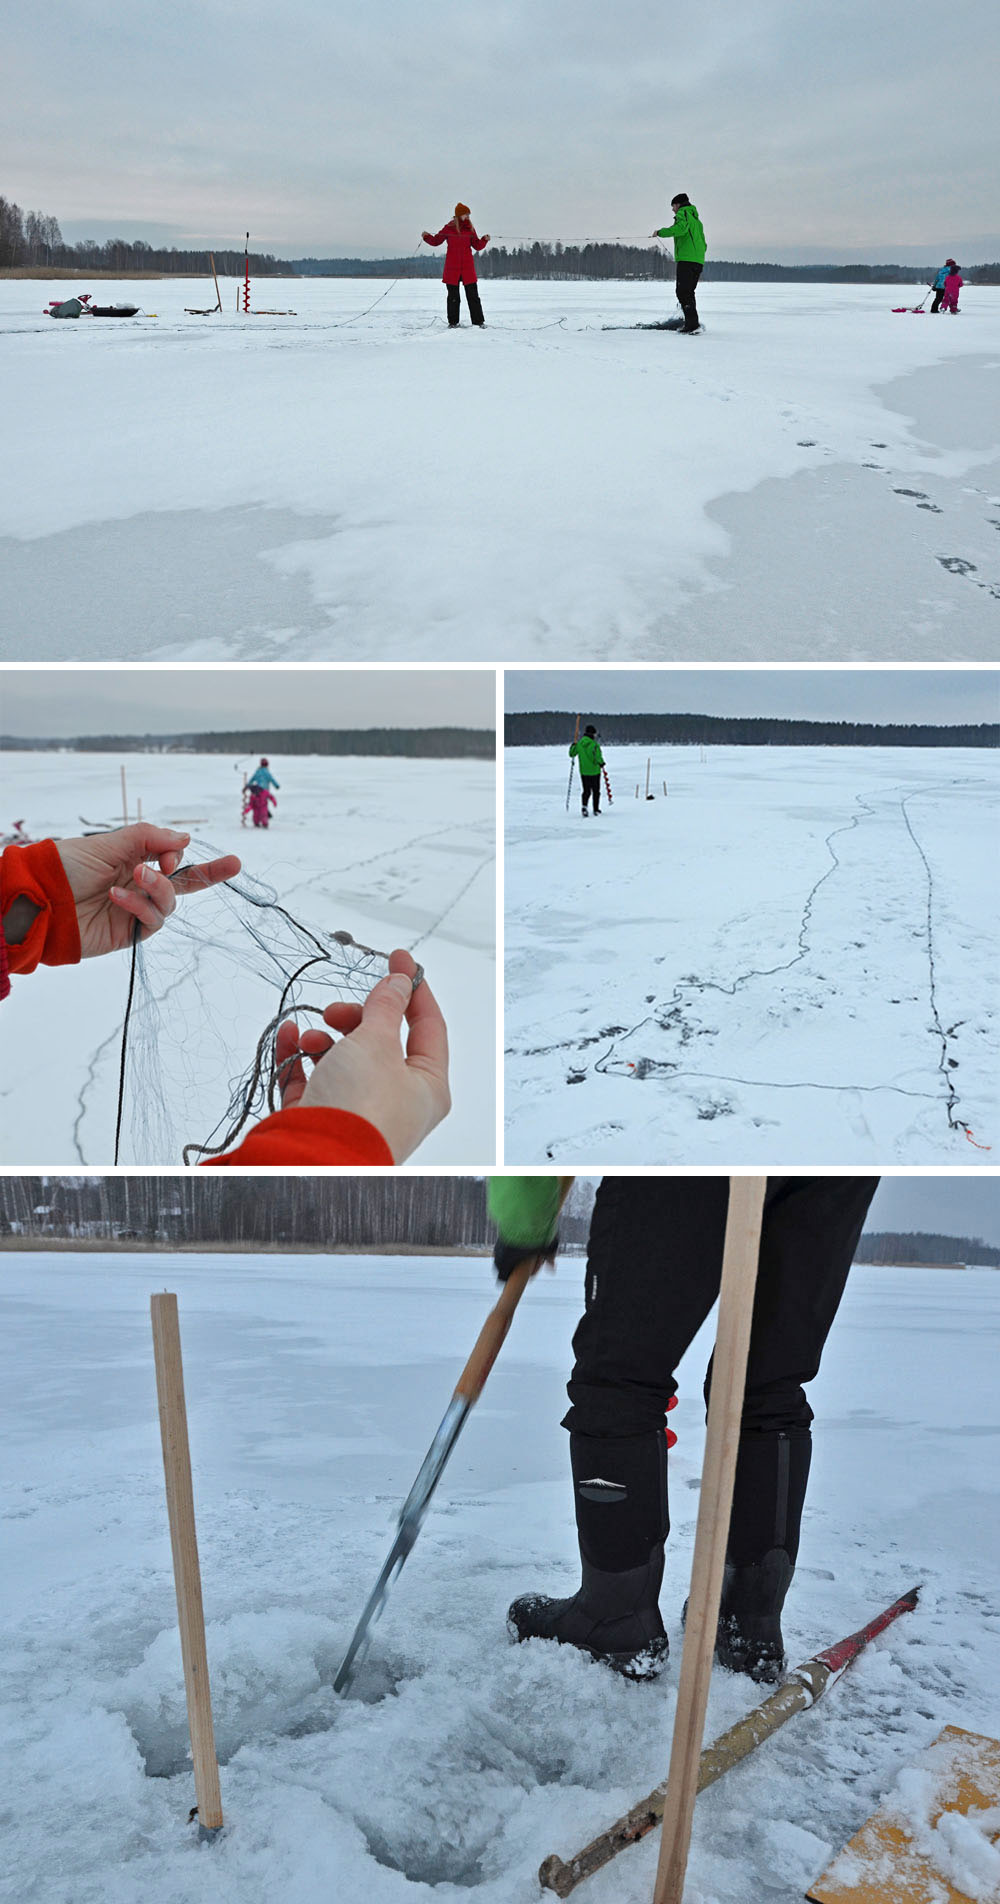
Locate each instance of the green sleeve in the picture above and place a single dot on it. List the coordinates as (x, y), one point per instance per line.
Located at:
(669, 231)
(525, 1209)
(573, 749)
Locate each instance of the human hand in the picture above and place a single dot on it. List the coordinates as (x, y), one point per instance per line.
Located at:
(404, 1096)
(113, 885)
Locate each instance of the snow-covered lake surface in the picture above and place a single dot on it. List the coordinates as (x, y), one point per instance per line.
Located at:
(789, 959)
(814, 477)
(314, 1386)
(395, 851)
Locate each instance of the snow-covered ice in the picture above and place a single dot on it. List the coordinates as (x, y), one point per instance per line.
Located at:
(395, 851)
(814, 477)
(788, 959)
(314, 1385)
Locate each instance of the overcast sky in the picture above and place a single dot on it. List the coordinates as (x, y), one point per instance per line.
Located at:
(958, 1206)
(800, 131)
(63, 702)
(848, 694)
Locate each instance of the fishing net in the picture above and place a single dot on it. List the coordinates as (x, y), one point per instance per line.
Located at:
(206, 997)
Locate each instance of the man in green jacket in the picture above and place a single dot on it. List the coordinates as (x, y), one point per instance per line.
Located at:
(587, 753)
(689, 255)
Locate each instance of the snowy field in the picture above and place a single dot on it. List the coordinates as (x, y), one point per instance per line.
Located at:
(814, 477)
(395, 851)
(790, 959)
(314, 1386)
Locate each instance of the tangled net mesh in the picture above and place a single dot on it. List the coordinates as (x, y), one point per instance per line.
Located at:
(207, 995)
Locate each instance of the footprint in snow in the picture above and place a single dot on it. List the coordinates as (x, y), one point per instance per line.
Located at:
(956, 565)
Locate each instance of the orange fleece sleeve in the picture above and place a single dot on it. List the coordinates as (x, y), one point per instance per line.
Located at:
(319, 1136)
(36, 873)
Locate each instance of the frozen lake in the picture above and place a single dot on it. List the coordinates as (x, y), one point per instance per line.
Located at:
(789, 959)
(314, 1386)
(395, 851)
(813, 478)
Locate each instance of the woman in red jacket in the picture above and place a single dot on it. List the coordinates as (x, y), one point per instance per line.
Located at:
(365, 1101)
(459, 266)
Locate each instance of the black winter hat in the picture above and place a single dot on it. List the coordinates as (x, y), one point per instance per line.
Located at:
(680, 198)
(592, 731)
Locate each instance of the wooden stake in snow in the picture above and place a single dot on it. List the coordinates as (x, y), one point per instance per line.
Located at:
(576, 736)
(729, 1367)
(184, 1544)
(124, 797)
(649, 764)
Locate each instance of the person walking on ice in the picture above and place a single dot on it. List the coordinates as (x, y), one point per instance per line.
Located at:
(952, 285)
(654, 1265)
(259, 798)
(587, 753)
(461, 239)
(688, 238)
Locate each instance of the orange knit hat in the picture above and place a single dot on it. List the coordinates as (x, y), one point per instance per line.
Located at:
(461, 211)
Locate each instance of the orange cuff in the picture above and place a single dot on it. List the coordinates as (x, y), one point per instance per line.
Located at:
(308, 1137)
(36, 873)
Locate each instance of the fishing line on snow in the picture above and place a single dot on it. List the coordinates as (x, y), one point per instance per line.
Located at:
(649, 1067)
(348, 967)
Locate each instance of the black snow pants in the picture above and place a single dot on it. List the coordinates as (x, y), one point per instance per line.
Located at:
(472, 300)
(686, 284)
(590, 789)
(654, 1265)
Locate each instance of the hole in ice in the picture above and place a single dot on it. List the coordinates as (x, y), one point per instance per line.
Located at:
(432, 1861)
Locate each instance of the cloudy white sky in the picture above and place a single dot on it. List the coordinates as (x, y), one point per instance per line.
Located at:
(802, 132)
(61, 703)
(954, 1206)
(946, 695)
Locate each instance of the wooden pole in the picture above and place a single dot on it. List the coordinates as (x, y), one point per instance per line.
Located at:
(648, 765)
(124, 797)
(729, 1366)
(218, 293)
(184, 1545)
(576, 736)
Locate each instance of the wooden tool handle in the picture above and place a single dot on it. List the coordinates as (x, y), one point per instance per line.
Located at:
(739, 1279)
(493, 1333)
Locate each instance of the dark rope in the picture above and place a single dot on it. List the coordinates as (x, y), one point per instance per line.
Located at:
(136, 936)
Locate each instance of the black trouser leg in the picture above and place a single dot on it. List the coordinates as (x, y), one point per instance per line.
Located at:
(472, 300)
(453, 303)
(686, 284)
(590, 785)
(653, 1270)
(938, 295)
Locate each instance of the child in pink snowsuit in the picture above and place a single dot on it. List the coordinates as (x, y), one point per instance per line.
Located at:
(260, 800)
(952, 285)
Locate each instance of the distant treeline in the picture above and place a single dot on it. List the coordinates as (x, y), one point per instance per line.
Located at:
(32, 238)
(364, 1212)
(415, 743)
(550, 728)
(893, 1246)
(595, 261)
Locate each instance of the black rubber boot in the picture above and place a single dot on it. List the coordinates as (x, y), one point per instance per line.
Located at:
(620, 1489)
(749, 1634)
(771, 1475)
